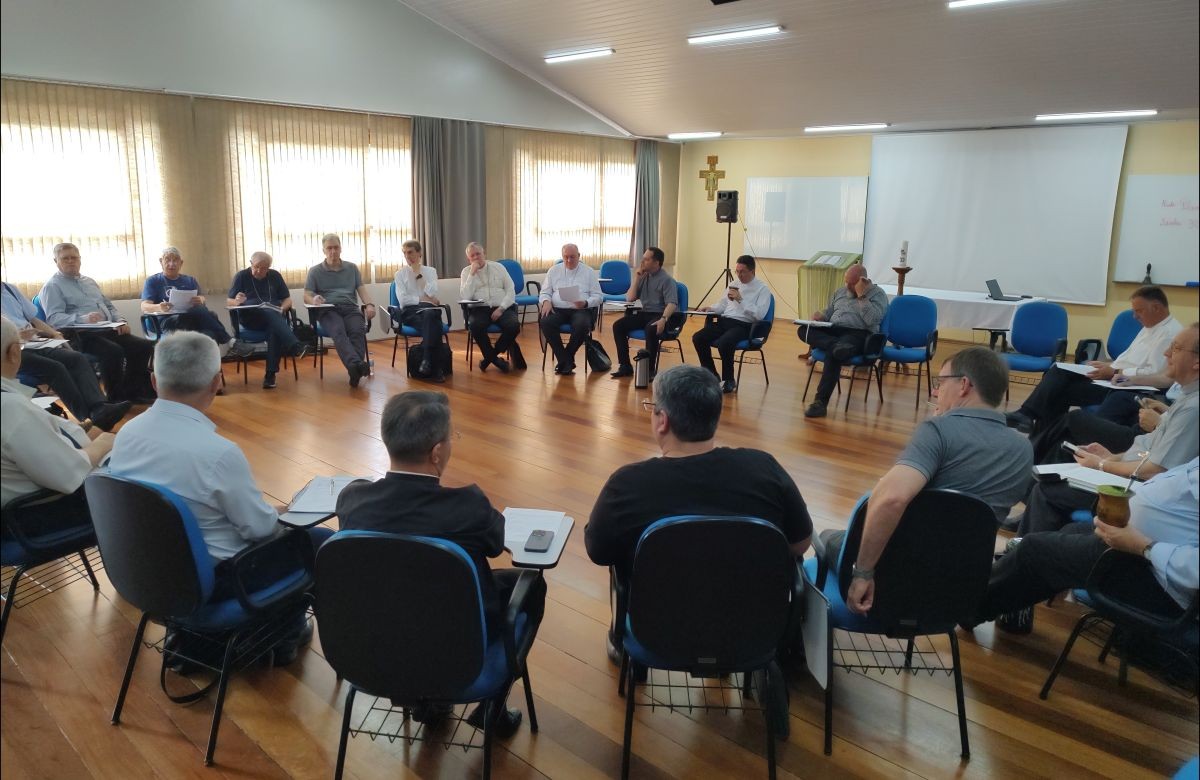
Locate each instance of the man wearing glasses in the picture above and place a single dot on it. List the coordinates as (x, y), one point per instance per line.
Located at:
(967, 446)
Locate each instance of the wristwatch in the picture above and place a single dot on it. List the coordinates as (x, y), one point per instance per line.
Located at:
(861, 574)
(1146, 550)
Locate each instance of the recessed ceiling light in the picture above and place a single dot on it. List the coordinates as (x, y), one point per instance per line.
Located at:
(1095, 115)
(733, 35)
(693, 136)
(969, 3)
(846, 128)
(578, 55)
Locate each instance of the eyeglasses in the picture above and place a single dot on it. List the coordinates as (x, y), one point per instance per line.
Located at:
(650, 406)
(937, 380)
(1178, 348)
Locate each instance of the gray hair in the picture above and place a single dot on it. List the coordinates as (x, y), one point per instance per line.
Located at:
(60, 248)
(8, 335)
(985, 369)
(476, 245)
(260, 255)
(690, 397)
(186, 362)
(331, 237)
(413, 423)
(171, 250)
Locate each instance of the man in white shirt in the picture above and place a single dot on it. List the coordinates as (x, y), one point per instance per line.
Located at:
(744, 303)
(490, 285)
(1059, 390)
(37, 449)
(419, 307)
(578, 308)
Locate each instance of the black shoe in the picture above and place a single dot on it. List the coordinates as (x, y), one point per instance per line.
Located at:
(622, 370)
(501, 364)
(438, 377)
(301, 350)
(269, 381)
(815, 409)
(1012, 523)
(729, 386)
(426, 367)
(1019, 420)
(483, 364)
(105, 416)
(357, 371)
(506, 723)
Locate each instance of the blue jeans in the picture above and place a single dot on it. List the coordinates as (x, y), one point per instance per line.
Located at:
(280, 338)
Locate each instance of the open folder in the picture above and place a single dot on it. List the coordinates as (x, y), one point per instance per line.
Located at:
(320, 494)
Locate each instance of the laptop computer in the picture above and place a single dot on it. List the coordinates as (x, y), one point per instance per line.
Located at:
(996, 294)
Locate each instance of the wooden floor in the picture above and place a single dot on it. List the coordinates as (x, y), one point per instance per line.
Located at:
(535, 439)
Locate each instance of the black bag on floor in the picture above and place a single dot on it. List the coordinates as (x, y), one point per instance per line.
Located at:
(442, 357)
(597, 357)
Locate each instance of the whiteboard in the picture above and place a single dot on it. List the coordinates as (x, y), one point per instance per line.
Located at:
(793, 218)
(1159, 225)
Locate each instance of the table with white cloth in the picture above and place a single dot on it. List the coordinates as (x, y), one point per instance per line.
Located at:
(967, 310)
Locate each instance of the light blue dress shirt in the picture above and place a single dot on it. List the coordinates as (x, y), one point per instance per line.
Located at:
(69, 300)
(1166, 508)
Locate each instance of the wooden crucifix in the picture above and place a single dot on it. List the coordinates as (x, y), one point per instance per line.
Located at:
(711, 176)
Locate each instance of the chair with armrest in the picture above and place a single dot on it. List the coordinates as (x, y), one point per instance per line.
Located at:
(408, 332)
(40, 534)
(913, 335)
(932, 575)
(719, 608)
(1124, 330)
(427, 645)
(673, 329)
(158, 562)
(254, 338)
(759, 333)
(1039, 338)
(527, 292)
(869, 359)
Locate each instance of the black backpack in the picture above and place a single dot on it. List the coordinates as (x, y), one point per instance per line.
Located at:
(442, 357)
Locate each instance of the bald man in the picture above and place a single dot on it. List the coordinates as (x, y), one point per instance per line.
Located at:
(578, 308)
(855, 312)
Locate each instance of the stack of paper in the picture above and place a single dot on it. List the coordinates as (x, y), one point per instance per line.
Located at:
(1081, 476)
(180, 300)
(519, 523)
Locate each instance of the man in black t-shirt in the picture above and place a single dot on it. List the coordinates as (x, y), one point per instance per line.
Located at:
(260, 285)
(693, 476)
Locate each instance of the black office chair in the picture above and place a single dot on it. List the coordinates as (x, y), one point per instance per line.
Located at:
(932, 576)
(40, 535)
(158, 562)
(1177, 636)
(708, 596)
(426, 643)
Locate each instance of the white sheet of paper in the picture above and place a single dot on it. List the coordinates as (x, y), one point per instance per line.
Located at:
(1112, 386)
(43, 344)
(318, 305)
(95, 326)
(569, 293)
(320, 494)
(44, 401)
(1083, 369)
(1081, 476)
(813, 323)
(180, 300)
(519, 523)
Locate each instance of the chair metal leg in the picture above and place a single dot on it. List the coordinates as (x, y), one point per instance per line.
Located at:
(958, 693)
(627, 744)
(87, 566)
(850, 391)
(221, 687)
(1080, 625)
(908, 651)
(741, 358)
(625, 664)
(133, 654)
(768, 682)
(763, 357)
(812, 367)
(829, 711)
(8, 599)
(345, 735)
(1112, 636)
(533, 724)
(489, 721)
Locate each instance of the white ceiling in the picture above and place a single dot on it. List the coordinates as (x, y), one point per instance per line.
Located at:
(912, 63)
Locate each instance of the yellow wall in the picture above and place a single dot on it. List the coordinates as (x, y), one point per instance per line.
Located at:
(1152, 148)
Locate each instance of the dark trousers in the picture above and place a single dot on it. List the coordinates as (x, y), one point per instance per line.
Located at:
(1049, 507)
(347, 327)
(505, 580)
(69, 374)
(478, 320)
(724, 334)
(427, 319)
(1043, 565)
(839, 345)
(124, 362)
(1058, 391)
(201, 320)
(1083, 427)
(581, 321)
(280, 338)
(635, 320)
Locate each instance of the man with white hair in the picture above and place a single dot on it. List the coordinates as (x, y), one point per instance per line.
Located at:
(261, 285)
(578, 308)
(156, 299)
(490, 285)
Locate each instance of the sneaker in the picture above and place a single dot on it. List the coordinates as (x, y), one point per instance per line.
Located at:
(269, 381)
(815, 409)
(240, 349)
(622, 370)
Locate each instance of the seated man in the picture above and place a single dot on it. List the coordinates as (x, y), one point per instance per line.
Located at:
(68, 373)
(490, 285)
(743, 304)
(580, 310)
(416, 431)
(339, 285)
(1162, 529)
(173, 444)
(71, 300)
(1172, 442)
(260, 284)
(693, 477)
(417, 294)
(156, 294)
(659, 296)
(39, 449)
(1059, 390)
(856, 310)
(966, 447)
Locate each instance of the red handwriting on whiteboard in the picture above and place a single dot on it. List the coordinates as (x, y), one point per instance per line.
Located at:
(1189, 205)
(1169, 222)
(1168, 204)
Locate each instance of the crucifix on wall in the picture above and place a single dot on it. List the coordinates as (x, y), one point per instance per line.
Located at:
(711, 176)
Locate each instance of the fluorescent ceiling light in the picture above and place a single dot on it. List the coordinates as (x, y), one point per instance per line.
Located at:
(969, 3)
(1095, 115)
(846, 128)
(734, 35)
(693, 136)
(578, 55)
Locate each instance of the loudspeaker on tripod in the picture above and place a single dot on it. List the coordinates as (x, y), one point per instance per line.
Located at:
(727, 206)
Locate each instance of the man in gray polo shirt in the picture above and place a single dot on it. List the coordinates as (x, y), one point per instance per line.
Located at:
(340, 285)
(659, 296)
(967, 447)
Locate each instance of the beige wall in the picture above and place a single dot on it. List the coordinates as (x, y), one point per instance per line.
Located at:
(1153, 148)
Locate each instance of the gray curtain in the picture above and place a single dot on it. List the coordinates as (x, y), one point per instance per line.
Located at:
(645, 207)
(449, 203)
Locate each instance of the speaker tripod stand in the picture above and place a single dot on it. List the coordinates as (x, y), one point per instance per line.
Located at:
(726, 276)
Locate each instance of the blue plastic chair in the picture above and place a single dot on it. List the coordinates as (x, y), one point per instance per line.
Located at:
(525, 299)
(619, 278)
(37, 304)
(425, 643)
(759, 333)
(673, 329)
(254, 337)
(1039, 336)
(408, 332)
(869, 359)
(1121, 334)
(913, 334)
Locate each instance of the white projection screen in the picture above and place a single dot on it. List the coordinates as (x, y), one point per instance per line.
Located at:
(1032, 208)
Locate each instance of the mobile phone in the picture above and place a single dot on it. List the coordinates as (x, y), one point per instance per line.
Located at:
(539, 541)
(1072, 448)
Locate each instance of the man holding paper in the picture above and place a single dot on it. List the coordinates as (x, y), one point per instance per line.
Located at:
(74, 303)
(490, 285)
(173, 292)
(262, 301)
(570, 294)
(743, 304)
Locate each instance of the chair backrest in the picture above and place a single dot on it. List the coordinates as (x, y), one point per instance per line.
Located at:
(1122, 333)
(911, 318)
(711, 593)
(37, 304)
(400, 616)
(151, 545)
(935, 568)
(618, 274)
(392, 299)
(517, 274)
(1037, 327)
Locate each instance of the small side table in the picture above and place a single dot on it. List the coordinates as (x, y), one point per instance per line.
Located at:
(994, 335)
